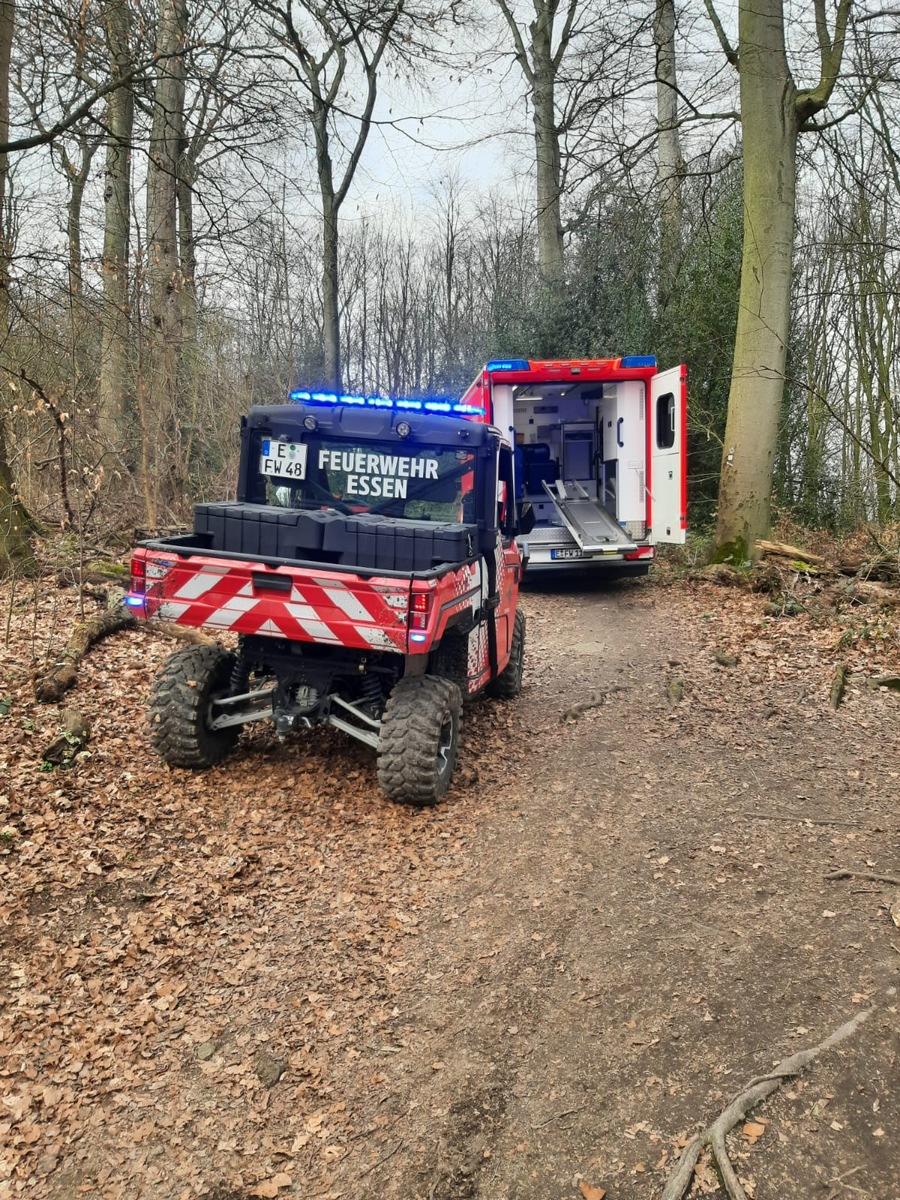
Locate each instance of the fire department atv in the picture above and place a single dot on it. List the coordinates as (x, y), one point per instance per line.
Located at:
(371, 572)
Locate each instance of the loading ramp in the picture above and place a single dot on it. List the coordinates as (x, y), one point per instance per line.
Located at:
(595, 531)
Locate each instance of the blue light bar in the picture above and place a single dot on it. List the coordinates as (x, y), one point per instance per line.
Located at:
(639, 360)
(435, 406)
(509, 364)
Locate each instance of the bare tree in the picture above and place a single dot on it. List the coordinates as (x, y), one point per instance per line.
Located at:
(670, 161)
(774, 111)
(115, 354)
(159, 385)
(540, 60)
(14, 520)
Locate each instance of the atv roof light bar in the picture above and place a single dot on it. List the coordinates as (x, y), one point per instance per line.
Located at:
(433, 406)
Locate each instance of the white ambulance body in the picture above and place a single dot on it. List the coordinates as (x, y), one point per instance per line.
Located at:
(601, 456)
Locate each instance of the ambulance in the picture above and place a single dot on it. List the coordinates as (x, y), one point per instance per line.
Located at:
(600, 457)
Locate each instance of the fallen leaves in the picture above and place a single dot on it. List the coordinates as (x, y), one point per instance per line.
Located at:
(753, 1131)
(270, 1188)
(590, 1192)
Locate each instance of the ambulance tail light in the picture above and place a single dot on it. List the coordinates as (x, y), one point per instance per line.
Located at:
(641, 552)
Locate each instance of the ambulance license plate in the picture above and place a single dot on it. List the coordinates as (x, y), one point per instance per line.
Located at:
(555, 554)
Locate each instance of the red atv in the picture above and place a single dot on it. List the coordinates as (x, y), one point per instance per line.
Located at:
(370, 570)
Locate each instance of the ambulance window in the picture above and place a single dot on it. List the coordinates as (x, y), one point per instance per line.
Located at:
(665, 421)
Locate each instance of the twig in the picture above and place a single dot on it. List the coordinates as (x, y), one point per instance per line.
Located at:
(558, 1117)
(846, 873)
(838, 1179)
(742, 812)
(384, 1159)
(714, 1135)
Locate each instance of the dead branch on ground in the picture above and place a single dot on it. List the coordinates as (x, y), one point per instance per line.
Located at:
(583, 706)
(839, 684)
(53, 683)
(756, 1091)
(782, 550)
(846, 873)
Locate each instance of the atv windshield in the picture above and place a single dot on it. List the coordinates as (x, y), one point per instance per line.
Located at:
(424, 483)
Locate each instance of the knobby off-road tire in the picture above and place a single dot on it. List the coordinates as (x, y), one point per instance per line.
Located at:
(419, 740)
(179, 706)
(508, 683)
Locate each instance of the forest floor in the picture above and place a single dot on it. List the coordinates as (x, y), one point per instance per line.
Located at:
(265, 980)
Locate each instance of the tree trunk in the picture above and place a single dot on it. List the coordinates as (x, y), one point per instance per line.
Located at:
(670, 162)
(159, 403)
(15, 523)
(189, 359)
(770, 129)
(331, 328)
(115, 361)
(546, 147)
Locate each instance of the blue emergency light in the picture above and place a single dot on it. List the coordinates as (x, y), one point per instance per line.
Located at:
(509, 364)
(434, 406)
(639, 360)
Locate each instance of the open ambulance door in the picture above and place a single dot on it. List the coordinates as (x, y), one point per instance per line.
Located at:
(667, 431)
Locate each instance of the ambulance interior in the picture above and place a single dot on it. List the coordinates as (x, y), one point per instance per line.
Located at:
(585, 442)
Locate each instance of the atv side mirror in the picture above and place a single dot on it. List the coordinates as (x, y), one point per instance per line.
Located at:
(527, 518)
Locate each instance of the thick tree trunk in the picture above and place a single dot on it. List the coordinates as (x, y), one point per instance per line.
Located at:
(670, 162)
(115, 357)
(770, 129)
(15, 523)
(159, 398)
(546, 147)
(331, 328)
(189, 362)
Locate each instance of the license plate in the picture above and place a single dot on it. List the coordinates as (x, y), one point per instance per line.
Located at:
(566, 554)
(286, 460)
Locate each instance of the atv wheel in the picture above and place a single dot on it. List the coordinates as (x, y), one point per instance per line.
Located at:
(508, 683)
(179, 707)
(419, 740)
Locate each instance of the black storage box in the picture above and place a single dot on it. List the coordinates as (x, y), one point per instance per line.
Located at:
(375, 543)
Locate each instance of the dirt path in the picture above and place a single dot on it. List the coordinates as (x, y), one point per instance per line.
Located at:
(266, 981)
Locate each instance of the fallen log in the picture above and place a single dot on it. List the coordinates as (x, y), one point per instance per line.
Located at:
(783, 550)
(52, 684)
(876, 593)
(839, 684)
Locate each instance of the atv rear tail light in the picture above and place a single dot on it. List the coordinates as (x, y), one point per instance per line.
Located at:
(419, 610)
(138, 574)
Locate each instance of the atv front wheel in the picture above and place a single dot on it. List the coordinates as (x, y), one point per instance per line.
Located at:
(508, 683)
(179, 707)
(419, 740)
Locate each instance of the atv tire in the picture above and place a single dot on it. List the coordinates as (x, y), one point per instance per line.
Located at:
(508, 683)
(179, 707)
(419, 740)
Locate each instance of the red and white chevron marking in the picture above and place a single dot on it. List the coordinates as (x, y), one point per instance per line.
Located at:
(367, 614)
